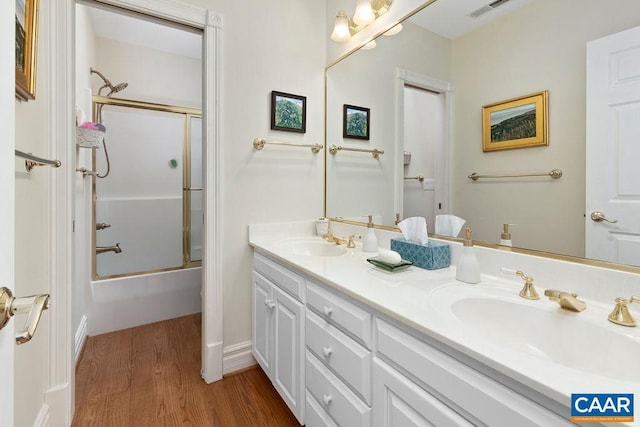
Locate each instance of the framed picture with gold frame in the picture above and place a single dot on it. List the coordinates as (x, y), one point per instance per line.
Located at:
(26, 38)
(516, 123)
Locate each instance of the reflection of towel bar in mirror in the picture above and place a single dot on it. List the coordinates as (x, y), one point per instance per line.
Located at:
(259, 144)
(417, 178)
(192, 189)
(375, 152)
(33, 161)
(555, 174)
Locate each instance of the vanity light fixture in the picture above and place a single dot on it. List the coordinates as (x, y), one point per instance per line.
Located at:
(393, 30)
(369, 45)
(367, 11)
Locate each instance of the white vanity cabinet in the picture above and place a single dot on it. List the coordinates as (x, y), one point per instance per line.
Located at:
(338, 362)
(427, 384)
(278, 329)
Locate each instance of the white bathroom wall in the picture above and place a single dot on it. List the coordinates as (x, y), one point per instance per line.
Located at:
(32, 229)
(554, 35)
(266, 46)
(359, 184)
(152, 75)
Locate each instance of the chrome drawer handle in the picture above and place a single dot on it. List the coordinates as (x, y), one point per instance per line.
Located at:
(327, 310)
(270, 305)
(326, 399)
(327, 351)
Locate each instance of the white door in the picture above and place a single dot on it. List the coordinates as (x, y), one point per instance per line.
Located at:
(613, 152)
(423, 120)
(7, 190)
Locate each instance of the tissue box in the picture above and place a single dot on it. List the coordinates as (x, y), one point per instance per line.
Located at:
(431, 255)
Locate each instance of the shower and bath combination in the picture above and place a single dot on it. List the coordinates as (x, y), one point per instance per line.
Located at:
(112, 89)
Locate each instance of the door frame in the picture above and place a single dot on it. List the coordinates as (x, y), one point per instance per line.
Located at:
(7, 189)
(406, 77)
(60, 396)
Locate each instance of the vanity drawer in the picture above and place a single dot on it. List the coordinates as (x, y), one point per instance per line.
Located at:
(458, 385)
(340, 312)
(314, 415)
(280, 275)
(334, 397)
(349, 360)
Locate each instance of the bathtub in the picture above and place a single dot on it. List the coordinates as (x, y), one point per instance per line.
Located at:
(126, 302)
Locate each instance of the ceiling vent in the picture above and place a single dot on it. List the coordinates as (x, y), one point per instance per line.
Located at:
(488, 8)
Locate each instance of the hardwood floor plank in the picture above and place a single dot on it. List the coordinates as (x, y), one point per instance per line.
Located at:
(150, 376)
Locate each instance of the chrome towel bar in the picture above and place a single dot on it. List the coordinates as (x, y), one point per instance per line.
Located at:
(375, 152)
(259, 144)
(417, 178)
(555, 174)
(33, 161)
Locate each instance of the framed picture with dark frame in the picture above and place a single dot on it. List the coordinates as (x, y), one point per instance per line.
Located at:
(288, 112)
(356, 122)
(516, 123)
(26, 38)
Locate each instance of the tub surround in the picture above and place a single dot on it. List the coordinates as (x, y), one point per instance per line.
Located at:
(409, 298)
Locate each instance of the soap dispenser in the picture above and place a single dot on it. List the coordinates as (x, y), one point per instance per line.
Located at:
(505, 236)
(468, 269)
(369, 240)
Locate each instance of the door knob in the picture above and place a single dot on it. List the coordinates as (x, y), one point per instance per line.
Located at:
(34, 305)
(598, 216)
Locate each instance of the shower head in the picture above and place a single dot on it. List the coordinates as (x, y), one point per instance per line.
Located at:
(107, 84)
(117, 88)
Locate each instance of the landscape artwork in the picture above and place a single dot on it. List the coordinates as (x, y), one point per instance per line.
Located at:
(25, 41)
(288, 112)
(515, 123)
(355, 122)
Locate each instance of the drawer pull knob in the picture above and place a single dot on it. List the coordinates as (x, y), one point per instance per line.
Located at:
(270, 305)
(327, 351)
(327, 311)
(326, 399)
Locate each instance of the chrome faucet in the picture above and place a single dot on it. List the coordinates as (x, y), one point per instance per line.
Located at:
(620, 314)
(566, 300)
(102, 249)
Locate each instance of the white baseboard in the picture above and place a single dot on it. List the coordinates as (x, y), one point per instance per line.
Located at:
(42, 419)
(81, 337)
(236, 357)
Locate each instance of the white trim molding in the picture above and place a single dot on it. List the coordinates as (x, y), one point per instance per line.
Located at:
(81, 338)
(42, 419)
(236, 357)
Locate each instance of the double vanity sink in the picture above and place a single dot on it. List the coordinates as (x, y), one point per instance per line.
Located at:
(535, 344)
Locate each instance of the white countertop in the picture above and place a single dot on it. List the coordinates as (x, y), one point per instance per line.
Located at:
(408, 296)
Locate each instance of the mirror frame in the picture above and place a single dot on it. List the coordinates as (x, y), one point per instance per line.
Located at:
(523, 251)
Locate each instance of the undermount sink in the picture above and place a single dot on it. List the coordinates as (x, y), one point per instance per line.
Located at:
(583, 341)
(311, 246)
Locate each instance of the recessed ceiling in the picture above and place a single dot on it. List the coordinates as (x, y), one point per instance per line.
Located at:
(451, 18)
(140, 32)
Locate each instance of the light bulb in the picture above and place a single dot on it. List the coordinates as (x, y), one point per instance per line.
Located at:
(341, 31)
(364, 13)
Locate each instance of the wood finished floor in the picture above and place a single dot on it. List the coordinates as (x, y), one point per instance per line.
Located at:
(150, 376)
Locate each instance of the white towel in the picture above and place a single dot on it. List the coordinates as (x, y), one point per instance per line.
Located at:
(449, 225)
(414, 229)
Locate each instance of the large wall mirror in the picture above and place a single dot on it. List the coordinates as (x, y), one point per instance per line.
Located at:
(425, 88)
